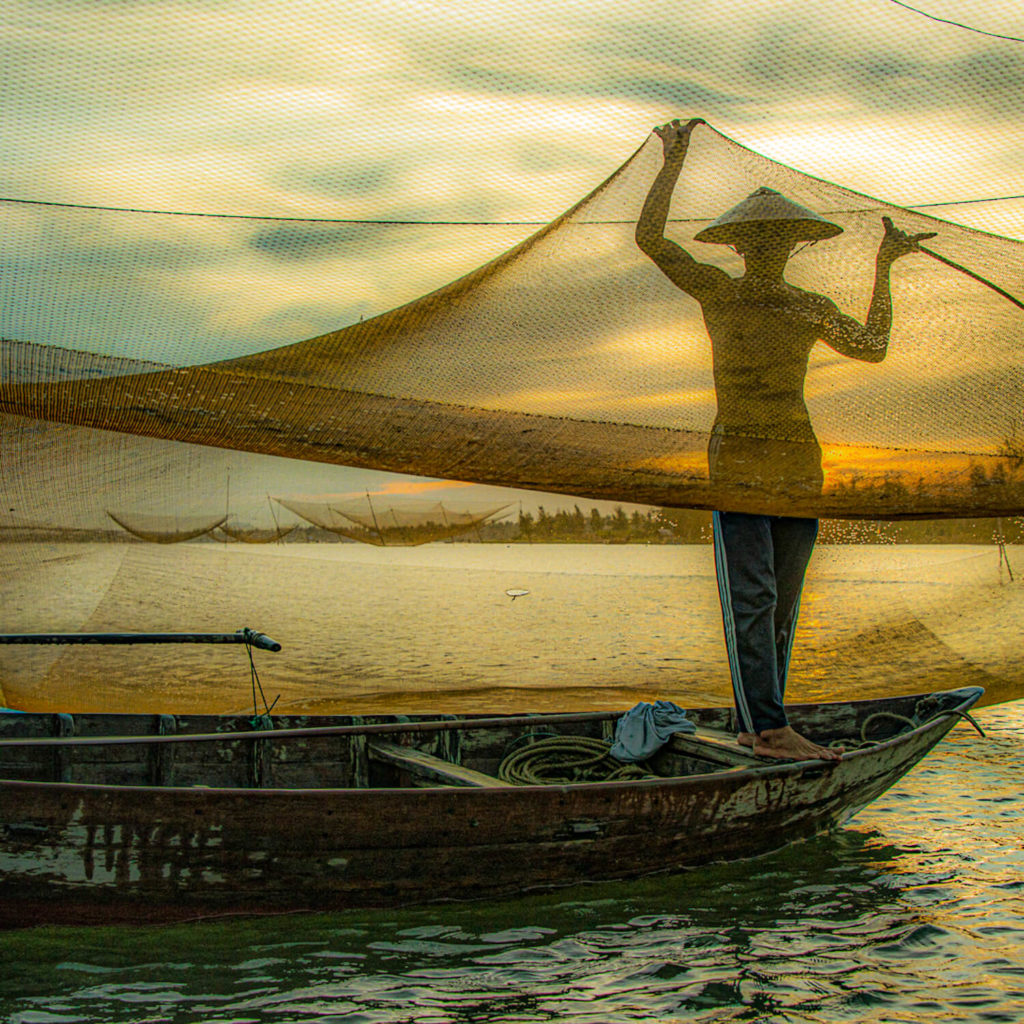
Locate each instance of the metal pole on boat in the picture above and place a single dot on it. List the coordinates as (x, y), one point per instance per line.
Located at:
(244, 636)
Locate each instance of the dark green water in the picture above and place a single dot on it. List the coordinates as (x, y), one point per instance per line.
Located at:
(913, 912)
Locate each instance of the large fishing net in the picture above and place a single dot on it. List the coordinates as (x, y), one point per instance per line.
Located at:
(569, 364)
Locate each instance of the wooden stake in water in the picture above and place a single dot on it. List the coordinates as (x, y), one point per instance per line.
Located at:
(1001, 543)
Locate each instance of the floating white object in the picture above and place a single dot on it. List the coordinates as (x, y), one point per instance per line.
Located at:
(516, 593)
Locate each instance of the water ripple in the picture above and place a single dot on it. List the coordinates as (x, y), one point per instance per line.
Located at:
(913, 914)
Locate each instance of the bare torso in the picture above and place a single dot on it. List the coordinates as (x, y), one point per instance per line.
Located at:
(761, 338)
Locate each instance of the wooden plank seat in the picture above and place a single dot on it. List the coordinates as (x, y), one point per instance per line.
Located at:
(433, 769)
(716, 746)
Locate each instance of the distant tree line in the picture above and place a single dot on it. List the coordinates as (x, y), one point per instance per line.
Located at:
(691, 526)
(578, 527)
(992, 484)
(654, 526)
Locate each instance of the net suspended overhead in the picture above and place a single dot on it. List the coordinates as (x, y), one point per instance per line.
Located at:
(574, 364)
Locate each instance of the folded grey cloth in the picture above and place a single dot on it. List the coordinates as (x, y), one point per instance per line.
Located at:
(645, 728)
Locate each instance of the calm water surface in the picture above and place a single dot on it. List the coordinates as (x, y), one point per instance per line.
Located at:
(914, 912)
(432, 628)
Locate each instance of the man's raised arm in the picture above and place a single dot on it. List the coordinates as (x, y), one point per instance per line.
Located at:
(869, 341)
(673, 260)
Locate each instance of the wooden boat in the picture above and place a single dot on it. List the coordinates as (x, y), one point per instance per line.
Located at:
(142, 818)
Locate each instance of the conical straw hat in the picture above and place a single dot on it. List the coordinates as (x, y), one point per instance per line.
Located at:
(763, 207)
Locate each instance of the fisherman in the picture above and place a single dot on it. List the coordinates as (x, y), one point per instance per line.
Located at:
(762, 330)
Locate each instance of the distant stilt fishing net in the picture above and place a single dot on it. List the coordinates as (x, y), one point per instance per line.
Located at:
(408, 524)
(255, 534)
(258, 524)
(166, 529)
(569, 364)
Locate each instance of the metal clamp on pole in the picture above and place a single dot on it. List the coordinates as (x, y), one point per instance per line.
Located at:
(260, 640)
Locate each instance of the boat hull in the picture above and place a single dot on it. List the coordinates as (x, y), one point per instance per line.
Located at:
(84, 854)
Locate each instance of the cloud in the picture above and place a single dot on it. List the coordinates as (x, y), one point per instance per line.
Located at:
(303, 106)
(418, 486)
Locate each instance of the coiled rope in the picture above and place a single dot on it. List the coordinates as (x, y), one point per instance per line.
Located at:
(550, 759)
(555, 760)
(914, 722)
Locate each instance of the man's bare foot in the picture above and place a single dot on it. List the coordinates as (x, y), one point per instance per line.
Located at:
(745, 739)
(788, 743)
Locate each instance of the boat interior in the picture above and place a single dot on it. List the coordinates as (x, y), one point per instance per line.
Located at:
(388, 751)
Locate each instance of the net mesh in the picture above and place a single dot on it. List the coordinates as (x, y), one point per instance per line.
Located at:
(571, 364)
(149, 360)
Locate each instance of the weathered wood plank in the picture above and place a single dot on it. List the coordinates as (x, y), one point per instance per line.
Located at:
(716, 747)
(424, 765)
(161, 759)
(366, 727)
(64, 727)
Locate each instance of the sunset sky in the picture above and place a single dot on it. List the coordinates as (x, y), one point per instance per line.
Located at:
(427, 111)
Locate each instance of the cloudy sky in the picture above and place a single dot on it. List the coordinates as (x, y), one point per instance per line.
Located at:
(409, 109)
(440, 111)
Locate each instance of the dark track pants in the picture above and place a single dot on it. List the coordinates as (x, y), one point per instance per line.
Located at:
(760, 562)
